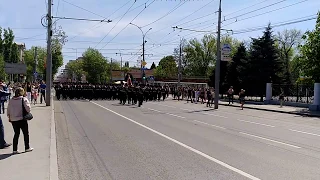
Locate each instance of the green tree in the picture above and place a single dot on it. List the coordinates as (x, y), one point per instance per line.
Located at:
(167, 68)
(1, 43)
(75, 69)
(236, 74)
(126, 64)
(8, 39)
(287, 41)
(2, 72)
(153, 66)
(200, 55)
(95, 65)
(310, 52)
(29, 59)
(264, 64)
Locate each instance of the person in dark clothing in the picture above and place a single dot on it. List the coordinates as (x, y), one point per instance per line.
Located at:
(242, 98)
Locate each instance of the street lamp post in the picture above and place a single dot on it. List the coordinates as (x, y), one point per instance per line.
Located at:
(143, 46)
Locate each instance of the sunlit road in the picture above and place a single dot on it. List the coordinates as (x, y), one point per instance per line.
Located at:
(179, 140)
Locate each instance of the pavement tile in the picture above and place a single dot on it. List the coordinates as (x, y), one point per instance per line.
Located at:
(33, 165)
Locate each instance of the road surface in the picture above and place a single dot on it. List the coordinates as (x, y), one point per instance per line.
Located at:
(179, 140)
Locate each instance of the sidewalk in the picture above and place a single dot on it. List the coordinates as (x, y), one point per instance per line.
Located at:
(272, 108)
(36, 165)
(275, 108)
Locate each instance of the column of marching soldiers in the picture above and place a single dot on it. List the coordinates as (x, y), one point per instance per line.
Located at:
(130, 94)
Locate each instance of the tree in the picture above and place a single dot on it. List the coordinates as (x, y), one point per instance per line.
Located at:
(75, 69)
(167, 68)
(8, 39)
(199, 56)
(95, 65)
(176, 54)
(2, 72)
(236, 75)
(153, 66)
(264, 64)
(310, 52)
(286, 42)
(29, 59)
(1, 43)
(126, 64)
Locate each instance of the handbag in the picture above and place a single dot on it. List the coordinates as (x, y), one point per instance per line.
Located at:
(26, 115)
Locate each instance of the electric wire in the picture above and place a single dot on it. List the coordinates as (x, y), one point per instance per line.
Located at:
(172, 10)
(115, 24)
(96, 25)
(237, 20)
(129, 23)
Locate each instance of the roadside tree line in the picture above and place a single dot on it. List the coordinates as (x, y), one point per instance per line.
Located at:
(286, 57)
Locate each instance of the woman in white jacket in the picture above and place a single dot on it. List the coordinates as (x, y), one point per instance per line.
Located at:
(15, 116)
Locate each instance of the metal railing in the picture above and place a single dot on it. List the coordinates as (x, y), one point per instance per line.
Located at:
(298, 93)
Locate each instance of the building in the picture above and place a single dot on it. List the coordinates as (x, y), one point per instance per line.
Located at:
(21, 48)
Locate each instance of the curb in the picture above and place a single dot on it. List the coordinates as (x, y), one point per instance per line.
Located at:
(278, 111)
(53, 158)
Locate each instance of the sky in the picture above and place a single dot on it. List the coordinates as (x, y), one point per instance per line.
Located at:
(196, 17)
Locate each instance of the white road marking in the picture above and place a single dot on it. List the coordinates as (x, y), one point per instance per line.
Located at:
(175, 115)
(215, 115)
(270, 140)
(305, 132)
(255, 123)
(165, 105)
(209, 124)
(185, 109)
(154, 110)
(184, 145)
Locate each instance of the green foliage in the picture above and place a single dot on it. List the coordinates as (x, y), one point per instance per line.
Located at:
(286, 43)
(200, 55)
(153, 66)
(167, 68)
(75, 69)
(310, 52)
(95, 65)
(236, 73)
(30, 61)
(126, 64)
(264, 63)
(2, 73)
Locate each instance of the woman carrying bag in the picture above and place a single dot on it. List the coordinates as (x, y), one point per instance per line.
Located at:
(18, 113)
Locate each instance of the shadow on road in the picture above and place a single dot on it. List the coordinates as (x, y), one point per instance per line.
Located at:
(5, 156)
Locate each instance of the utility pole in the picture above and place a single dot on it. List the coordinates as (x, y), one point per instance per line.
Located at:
(142, 67)
(35, 64)
(49, 56)
(179, 64)
(110, 70)
(217, 70)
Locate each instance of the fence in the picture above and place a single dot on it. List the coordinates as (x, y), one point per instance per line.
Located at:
(294, 92)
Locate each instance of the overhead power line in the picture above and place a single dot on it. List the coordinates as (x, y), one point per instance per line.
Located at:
(129, 22)
(96, 25)
(172, 10)
(246, 8)
(235, 17)
(83, 19)
(237, 20)
(83, 8)
(185, 17)
(115, 24)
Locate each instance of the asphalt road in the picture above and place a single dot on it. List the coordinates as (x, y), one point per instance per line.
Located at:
(179, 140)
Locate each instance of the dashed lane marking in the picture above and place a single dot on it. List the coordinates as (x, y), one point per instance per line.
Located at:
(209, 124)
(266, 139)
(313, 134)
(255, 123)
(249, 176)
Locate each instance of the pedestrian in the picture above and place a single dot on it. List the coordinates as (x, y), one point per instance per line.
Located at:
(281, 98)
(230, 94)
(242, 98)
(3, 143)
(15, 113)
(42, 90)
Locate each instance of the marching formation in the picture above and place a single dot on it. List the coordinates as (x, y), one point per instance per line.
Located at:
(125, 93)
